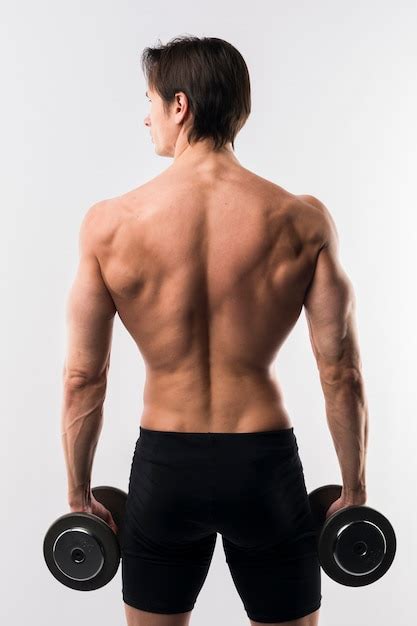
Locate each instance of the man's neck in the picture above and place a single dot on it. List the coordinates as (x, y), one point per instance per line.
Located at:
(202, 153)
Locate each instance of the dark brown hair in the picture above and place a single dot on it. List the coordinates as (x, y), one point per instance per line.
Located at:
(213, 75)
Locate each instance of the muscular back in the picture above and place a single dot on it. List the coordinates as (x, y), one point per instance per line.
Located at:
(209, 271)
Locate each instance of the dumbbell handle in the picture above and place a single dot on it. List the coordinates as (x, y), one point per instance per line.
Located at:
(328, 496)
(320, 501)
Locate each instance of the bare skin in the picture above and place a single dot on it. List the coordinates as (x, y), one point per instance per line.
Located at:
(208, 271)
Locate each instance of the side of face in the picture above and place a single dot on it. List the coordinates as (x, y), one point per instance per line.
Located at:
(164, 127)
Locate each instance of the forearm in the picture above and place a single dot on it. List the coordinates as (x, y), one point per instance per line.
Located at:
(81, 424)
(347, 417)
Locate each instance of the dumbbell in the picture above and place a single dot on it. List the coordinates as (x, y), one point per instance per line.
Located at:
(356, 545)
(80, 549)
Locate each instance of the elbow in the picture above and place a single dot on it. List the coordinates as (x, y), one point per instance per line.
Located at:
(341, 375)
(79, 381)
(75, 382)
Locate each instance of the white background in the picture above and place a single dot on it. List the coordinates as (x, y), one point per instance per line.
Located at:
(334, 96)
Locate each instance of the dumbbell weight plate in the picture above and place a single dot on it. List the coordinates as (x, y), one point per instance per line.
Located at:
(80, 549)
(356, 546)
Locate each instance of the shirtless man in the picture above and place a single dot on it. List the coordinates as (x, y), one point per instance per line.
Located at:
(209, 266)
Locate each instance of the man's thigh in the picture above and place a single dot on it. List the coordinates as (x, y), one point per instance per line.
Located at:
(286, 591)
(167, 542)
(268, 532)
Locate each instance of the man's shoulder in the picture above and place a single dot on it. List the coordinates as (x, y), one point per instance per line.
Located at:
(312, 201)
(318, 205)
(322, 215)
(100, 222)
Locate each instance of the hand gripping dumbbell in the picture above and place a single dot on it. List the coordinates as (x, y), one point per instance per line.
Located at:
(80, 549)
(356, 545)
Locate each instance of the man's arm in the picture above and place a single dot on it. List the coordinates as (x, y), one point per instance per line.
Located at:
(330, 312)
(90, 316)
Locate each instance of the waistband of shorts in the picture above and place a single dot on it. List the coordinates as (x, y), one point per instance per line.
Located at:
(281, 433)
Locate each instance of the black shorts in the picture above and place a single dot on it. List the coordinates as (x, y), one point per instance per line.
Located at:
(184, 488)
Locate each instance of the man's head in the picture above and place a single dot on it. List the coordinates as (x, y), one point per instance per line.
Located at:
(199, 91)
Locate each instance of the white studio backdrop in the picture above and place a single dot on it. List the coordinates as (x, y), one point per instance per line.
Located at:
(334, 95)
